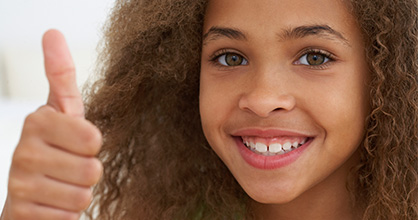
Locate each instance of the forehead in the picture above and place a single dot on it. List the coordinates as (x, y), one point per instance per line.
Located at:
(272, 17)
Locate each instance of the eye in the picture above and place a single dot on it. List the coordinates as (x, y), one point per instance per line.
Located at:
(314, 58)
(231, 59)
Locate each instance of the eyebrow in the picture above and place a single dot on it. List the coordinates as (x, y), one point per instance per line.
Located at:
(217, 32)
(323, 31)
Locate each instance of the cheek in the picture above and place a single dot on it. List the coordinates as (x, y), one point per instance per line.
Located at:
(340, 108)
(218, 97)
(213, 106)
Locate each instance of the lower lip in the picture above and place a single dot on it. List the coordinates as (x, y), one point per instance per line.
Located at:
(269, 162)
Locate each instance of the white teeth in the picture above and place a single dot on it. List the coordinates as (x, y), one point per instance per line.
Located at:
(260, 147)
(252, 146)
(275, 148)
(287, 146)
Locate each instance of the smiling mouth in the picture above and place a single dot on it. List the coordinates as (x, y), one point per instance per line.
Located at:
(273, 146)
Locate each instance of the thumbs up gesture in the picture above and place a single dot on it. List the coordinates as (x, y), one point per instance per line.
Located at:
(54, 164)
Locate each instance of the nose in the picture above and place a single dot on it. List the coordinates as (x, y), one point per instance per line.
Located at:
(266, 94)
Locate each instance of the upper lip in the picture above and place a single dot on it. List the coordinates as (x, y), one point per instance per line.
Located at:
(266, 133)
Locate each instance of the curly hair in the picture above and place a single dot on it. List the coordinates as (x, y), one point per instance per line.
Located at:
(388, 175)
(157, 163)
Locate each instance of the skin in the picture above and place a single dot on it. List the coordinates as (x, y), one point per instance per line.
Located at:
(53, 166)
(274, 88)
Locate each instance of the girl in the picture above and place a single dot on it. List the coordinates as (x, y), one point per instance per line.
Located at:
(270, 109)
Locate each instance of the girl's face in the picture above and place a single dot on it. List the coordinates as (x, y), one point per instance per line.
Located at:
(283, 95)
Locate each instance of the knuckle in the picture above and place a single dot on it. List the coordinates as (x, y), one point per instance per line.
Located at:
(18, 188)
(72, 216)
(92, 171)
(69, 216)
(19, 158)
(34, 121)
(26, 157)
(82, 198)
(31, 121)
(46, 109)
(21, 212)
(92, 139)
(66, 72)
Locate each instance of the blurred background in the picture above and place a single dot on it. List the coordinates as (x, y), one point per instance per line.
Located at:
(23, 85)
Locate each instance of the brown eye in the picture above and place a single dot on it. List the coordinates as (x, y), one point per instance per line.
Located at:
(315, 59)
(232, 59)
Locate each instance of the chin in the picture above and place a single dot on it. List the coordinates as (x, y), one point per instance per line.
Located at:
(281, 195)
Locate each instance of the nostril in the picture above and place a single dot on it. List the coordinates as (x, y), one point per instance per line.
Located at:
(263, 103)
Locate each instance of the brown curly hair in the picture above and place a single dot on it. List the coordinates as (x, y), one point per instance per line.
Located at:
(157, 163)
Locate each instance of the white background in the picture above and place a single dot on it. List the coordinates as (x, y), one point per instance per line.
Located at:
(23, 86)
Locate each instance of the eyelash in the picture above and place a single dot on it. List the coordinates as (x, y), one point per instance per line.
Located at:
(329, 56)
(214, 59)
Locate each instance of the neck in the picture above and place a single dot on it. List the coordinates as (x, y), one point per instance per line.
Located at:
(330, 199)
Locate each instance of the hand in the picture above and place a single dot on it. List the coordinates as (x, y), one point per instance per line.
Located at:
(53, 166)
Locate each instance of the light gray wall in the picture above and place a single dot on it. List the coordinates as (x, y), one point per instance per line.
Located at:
(22, 24)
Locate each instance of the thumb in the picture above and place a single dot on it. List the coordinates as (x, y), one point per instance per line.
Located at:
(64, 95)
